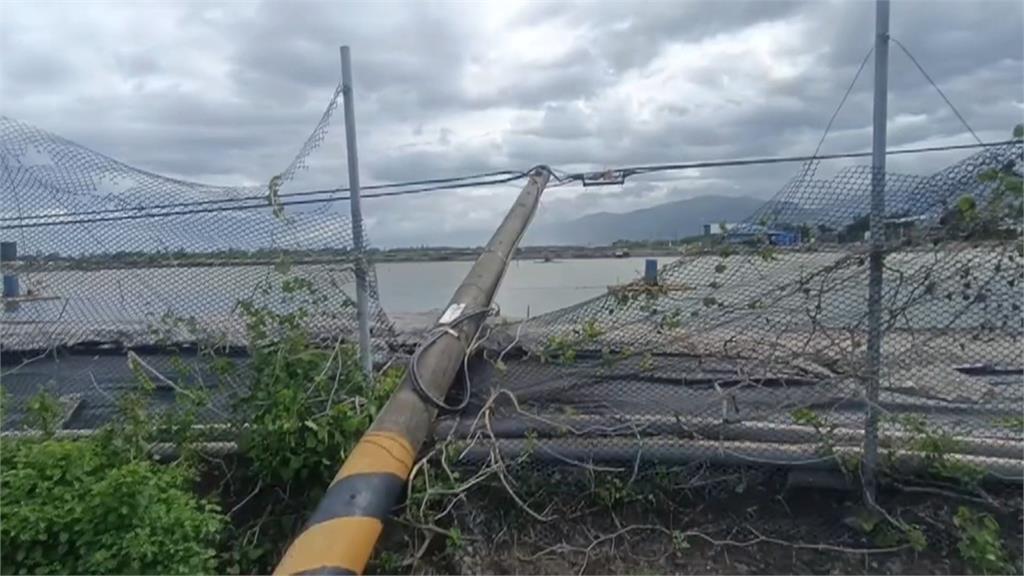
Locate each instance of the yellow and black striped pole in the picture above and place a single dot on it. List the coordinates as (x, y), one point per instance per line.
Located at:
(343, 530)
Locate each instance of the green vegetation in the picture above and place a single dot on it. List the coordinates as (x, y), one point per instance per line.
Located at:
(824, 429)
(1000, 214)
(84, 507)
(307, 406)
(563, 349)
(103, 505)
(938, 449)
(980, 542)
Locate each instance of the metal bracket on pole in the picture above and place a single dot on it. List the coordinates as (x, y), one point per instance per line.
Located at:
(358, 245)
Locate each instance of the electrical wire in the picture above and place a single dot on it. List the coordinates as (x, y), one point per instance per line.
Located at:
(653, 168)
(62, 219)
(264, 204)
(509, 175)
(842, 101)
(440, 332)
(937, 89)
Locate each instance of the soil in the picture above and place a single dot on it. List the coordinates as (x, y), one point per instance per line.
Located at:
(770, 530)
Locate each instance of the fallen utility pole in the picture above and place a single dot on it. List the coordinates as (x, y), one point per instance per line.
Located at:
(340, 535)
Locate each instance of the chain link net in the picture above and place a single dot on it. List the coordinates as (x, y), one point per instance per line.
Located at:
(749, 349)
(101, 257)
(627, 416)
(745, 359)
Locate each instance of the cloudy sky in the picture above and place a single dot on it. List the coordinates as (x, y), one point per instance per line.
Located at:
(225, 93)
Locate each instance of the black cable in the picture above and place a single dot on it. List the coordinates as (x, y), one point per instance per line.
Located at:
(513, 175)
(264, 204)
(627, 171)
(842, 101)
(937, 89)
(439, 332)
(634, 170)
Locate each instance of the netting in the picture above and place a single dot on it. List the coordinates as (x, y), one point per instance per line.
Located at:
(694, 411)
(104, 257)
(750, 349)
(745, 359)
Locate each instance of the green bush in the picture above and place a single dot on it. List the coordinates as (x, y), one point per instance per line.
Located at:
(77, 507)
(306, 404)
(981, 542)
(298, 406)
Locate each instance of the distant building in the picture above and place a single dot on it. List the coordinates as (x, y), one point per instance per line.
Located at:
(718, 228)
(750, 233)
(906, 228)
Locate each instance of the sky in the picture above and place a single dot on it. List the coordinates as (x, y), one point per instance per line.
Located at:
(226, 93)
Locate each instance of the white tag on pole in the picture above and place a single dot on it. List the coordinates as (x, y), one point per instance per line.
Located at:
(452, 313)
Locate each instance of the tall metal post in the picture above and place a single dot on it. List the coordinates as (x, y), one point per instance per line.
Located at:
(361, 265)
(874, 348)
(340, 535)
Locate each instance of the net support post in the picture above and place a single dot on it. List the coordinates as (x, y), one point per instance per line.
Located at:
(873, 362)
(651, 272)
(358, 242)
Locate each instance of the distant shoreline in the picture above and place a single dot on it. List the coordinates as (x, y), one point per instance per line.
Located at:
(528, 253)
(540, 253)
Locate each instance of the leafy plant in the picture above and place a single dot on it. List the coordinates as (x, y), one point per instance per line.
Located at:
(455, 541)
(824, 429)
(980, 542)
(1002, 209)
(559, 350)
(938, 448)
(75, 507)
(679, 542)
(611, 492)
(306, 407)
(44, 413)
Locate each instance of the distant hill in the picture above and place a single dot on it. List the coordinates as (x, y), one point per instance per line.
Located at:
(662, 222)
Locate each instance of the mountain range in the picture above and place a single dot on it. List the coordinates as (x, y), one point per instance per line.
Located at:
(666, 221)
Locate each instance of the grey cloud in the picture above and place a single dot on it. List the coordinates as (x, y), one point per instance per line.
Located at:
(251, 80)
(628, 35)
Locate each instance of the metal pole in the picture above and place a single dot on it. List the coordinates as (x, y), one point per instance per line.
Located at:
(874, 348)
(361, 265)
(340, 535)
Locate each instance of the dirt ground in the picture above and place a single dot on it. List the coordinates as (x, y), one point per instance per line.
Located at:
(745, 526)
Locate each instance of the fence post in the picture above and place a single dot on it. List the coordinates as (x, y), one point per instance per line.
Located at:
(877, 246)
(358, 246)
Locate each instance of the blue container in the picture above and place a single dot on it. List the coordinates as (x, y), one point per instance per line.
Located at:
(11, 288)
(651, 271)
(8, 251)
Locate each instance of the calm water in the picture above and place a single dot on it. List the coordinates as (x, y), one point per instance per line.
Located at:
(127, 295)
(528, 289)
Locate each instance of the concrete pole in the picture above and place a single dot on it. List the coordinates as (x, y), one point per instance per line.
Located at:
(874, 344)
(358, 245)
(340, 535)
